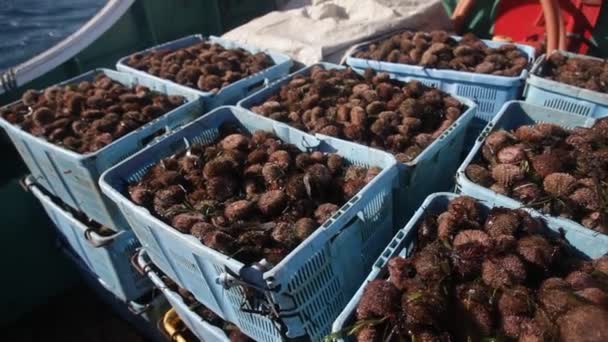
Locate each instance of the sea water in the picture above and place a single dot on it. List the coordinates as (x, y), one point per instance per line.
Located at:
(29, 27)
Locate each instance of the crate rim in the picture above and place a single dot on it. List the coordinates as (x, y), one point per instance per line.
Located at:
(452, 75)
(85, 76)
(277, 57)
(470, 111)
(461, 177)
(546, 84)
(194, 243)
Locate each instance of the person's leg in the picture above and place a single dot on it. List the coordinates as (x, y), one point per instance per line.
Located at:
(480, 19)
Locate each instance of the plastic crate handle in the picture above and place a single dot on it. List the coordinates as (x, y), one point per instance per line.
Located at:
(98, 241)
(251, 276)
(27, 182)
(257, 85)
(92, 237)
(538, 63)
(138, 309)
(358, 216)
(309, 146)
(139, 262)
(535, 70)
(152, 137)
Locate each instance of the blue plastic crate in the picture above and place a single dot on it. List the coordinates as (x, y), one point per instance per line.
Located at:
(431, 171)
(72, 176)
(106, 256)
(232, 93)
(513, 115)
(404, 242)
(562, 96)
(490, 92)
(309, 287)
(203, 330)
(143, 313)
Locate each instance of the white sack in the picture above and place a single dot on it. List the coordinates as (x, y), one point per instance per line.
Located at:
(311, 31)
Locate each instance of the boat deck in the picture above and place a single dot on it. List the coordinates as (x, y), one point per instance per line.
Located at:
(77, 315)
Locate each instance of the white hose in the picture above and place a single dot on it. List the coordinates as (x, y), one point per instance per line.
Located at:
(67, 48)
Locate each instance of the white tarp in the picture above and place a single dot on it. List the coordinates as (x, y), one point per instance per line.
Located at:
(314, 30)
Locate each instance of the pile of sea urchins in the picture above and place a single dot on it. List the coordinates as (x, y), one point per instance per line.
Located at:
(439, 50)
(373, 110)
(580, 72)
(249, 196)
(206, 66)
(559, 171)
(494, 277)
(89, 115)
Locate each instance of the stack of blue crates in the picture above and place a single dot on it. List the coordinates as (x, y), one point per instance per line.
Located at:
(66, 183)
(91, 228)
(72, 177)
(320, 282)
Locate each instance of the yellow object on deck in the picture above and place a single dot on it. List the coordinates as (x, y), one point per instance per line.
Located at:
(173, 326)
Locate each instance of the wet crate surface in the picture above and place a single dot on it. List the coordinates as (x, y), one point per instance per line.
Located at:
(73, 177)
(303, 286)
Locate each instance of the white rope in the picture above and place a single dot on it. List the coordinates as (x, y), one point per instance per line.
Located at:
(67, 48)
